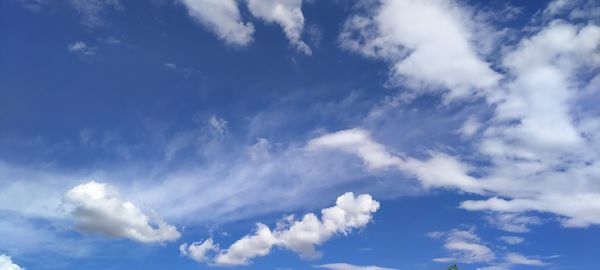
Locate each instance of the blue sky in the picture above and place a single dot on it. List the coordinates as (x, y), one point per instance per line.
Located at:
(290, 134)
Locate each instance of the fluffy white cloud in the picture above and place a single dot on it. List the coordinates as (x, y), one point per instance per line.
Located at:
(6, 263)
(428, 43)
(466, 247)
(300, 236)
(286, 13)
(199, 251)
(223, 18)
(346, 266)
(98, 208)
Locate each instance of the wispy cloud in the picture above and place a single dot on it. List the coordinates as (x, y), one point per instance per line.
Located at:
(82, 48)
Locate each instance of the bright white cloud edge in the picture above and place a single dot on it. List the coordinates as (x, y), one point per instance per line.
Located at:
(99, 208)
(300, 236)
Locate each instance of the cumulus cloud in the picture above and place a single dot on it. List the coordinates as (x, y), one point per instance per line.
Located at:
(346, 266)
(300, 236)
(427, 43)
(98, 208)
(286, 13)
(223, 18)
(6, 263)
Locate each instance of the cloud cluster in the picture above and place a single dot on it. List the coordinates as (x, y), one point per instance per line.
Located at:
(6, 263)
(300, 236)
(224, 19)
(539, 146)
(98, 208)
(428, 44)
(466, 247)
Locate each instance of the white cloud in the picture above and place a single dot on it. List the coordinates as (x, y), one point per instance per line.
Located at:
(81, 47)
(539, 141)
(6, 263)
(260, 150)
(512, 222)
(286, 13)
(466, 247)
(98, 208)
(439, 171)
(428, 43)
(470, 127)
(219, 125)
(435, 235)
(199, 251)
(542, 156)
(357, 142)
(518, 259)
(512, 240)
(223, 18)
(300, 236)
(573, 9)
(579, 210)
(346, 266)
